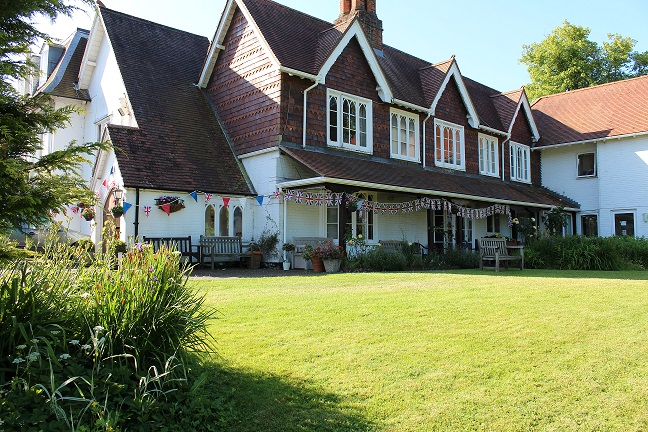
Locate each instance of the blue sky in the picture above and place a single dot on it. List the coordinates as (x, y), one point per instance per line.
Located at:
(485, 36)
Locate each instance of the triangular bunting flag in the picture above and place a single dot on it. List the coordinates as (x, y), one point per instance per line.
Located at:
(208, 197)
(166, 208)
(226, 201)
(105, 183)
(194, 195)
(277, 194)
(147, 210)
(260, 200)
(288, 195)
(126, 206)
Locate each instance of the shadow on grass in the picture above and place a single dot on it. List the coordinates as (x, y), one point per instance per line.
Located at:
(270, 403)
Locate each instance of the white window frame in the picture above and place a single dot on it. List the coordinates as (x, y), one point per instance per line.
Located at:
(338, 140)
(440, 126)
(516, 150)
(488, 155)
(231, 209)
(578, 165)
(411, 130)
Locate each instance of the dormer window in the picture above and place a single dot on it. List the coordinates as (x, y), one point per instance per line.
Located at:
(488, 152)
(449, 147)
(349, 122)
(404, 135)
(520, 162)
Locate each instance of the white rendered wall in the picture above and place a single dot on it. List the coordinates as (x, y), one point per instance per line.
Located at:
(621, 184)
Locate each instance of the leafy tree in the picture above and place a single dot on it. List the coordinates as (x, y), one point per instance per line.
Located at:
(30, 189)
(568, 60)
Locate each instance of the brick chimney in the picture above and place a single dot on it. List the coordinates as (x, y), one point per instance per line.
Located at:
(365, 10)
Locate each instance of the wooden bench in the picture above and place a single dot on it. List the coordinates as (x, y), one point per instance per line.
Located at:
(300, 244)
(181, 244)
(495, 249)
(220, 249)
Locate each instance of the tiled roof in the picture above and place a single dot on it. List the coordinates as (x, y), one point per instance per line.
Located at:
(303, 42)
(506, 104)
(325, 164)
(482, 98)
(179, 144)
(607, 110)
(61, 81)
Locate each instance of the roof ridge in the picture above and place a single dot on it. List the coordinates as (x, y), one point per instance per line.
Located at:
(521, 89)
(436, 64)
(294, 10)
(133, 17)
(580, 90)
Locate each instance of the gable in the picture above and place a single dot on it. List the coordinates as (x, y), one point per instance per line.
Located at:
(450, 106)
(355, 32)
(351, 73)
(455, 75)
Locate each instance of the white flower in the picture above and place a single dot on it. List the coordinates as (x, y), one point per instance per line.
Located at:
(18, 360)
(21, 347)
(64, 356)
(85, 347)
(55, 332)
(74, 342)
(34, 341)
(99, 329)
(86, 295)
(33, 356)
(359, 236)
(532, 219)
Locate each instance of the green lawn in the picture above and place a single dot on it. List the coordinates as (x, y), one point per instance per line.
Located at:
(447, 351)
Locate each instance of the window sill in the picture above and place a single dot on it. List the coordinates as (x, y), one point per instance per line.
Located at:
(489, 174)
(361, 150)
(406, 159)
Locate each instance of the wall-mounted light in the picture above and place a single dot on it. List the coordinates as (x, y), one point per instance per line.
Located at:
(118, 194)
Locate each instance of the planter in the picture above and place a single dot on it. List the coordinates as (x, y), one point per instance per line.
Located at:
(88, 217)
(255, 260)
(332, 265)
(117, 214)
(286, 265)
(318, 264)
(173, 207)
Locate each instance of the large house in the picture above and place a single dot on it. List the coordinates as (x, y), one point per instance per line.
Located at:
(284, 122)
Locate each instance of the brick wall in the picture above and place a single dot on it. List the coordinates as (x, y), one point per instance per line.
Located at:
(246, 88)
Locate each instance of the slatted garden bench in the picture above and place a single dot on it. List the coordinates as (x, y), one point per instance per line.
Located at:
(495, 250)
(181, 244)
(397, 246)
(220, 249)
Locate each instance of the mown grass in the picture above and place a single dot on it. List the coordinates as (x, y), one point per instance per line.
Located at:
(447, 351)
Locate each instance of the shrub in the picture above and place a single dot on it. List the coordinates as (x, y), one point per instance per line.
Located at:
(379, 259)
(587, 253)
(96, 349)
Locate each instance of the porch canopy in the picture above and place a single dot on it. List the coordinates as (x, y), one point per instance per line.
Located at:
(362, 172)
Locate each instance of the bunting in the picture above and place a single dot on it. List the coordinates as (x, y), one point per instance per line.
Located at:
(126, 206)
(226, 201)
(208, 197)
(260, 200)
(147, 210)
(194, 195)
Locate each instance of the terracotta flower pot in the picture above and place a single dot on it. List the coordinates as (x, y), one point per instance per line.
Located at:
(318, 264)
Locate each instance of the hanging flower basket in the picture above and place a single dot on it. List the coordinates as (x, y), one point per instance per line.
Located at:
(88, 213)
(174, 202)
(117, 211)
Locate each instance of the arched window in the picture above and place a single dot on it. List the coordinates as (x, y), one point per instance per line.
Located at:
(209, 220)
(223, 222)
(238, 222)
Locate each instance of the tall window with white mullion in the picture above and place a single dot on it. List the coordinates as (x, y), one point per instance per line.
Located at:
(520, 162)
(404, 135)
(449, 145)
(349, 122)
(332, 213)
(488, 160)
(361, 222)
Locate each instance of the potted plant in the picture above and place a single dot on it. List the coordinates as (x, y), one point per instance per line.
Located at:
(88, 213)
(288, 248)
(117, 210)
(255, 255)
(352, 205)
(309, 254)
(331, 256)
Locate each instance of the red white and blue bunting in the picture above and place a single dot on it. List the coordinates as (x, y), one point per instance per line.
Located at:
(330, 199)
